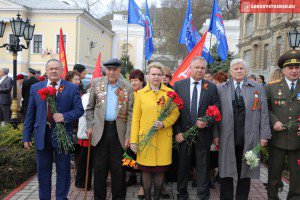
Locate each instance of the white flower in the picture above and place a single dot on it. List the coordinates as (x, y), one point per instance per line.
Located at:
(249, 155)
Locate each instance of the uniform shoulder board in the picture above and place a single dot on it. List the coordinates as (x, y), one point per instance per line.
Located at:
(276, 81)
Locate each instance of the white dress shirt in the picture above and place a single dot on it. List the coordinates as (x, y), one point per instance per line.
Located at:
(2, 78)
(290, 83)
(192, 85)
(235, 84)
(57, 85)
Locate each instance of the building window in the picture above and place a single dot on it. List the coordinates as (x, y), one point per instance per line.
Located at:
(57, 42)
(37, 43)
(278, 47)
(249, 25)
(247, 58)
(12, 39)
(266, 56)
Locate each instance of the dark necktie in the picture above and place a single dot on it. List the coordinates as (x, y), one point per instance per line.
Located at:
(49, 113)
(292, 87)
(238, 90)
(194, 111)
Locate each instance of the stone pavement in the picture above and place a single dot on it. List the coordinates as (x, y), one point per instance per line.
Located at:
(258, 192)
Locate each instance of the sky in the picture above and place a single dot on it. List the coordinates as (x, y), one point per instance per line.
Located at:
(102, 8)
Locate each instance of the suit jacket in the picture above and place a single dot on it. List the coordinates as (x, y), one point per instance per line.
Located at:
(95, 111)
(68, 103)
(284, 107)
(26, 89)
(256, 126)
(208, 97)
(5, 90)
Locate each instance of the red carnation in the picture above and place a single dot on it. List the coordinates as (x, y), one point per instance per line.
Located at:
(176, 99)
(298, 162)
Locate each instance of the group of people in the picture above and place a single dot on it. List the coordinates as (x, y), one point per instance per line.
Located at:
(116, 115)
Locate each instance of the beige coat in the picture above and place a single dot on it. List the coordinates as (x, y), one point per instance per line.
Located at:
(95, 111)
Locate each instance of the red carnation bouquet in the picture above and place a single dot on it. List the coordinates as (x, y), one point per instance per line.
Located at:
(60, 133)
(212, 113)
(174, 101)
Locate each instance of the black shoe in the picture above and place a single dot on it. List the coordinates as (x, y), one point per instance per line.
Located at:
(141, 196)
(194, 183)
(132, 181)
(164, 195)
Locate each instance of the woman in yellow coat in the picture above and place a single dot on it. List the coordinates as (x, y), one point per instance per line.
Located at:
(155, 158)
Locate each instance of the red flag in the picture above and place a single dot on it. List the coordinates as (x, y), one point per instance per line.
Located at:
(183, 70)
(98, 70)
(62, 54)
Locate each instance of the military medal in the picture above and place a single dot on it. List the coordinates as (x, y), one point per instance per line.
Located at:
(279, 92)
(298, 97)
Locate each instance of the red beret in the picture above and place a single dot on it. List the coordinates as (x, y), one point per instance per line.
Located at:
(20, 76)
(41, 78)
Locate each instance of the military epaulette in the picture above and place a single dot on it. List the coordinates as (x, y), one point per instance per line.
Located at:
(272, 82)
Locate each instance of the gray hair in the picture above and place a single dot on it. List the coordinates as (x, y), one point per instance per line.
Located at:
(237, 61)
(5, 70)
(54, 60)
(202, 59)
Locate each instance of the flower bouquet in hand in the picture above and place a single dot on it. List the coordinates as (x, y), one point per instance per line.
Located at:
(251, 156)
(292, 124)
(189, 136)
(128, 161)
(173, 102)
(59, 132)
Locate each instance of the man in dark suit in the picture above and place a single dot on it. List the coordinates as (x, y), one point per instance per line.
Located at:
(284, 105)
(6, 84)
(197, 94)
(26, 89)
(41, 123)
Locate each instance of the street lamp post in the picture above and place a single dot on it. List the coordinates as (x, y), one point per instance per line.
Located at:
(294, 38)
(19, 28)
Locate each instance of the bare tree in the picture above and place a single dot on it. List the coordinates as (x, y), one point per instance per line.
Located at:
(91, 6)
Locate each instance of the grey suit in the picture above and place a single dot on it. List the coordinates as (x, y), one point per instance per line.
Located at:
(108, 137)
(5, 99)
(95, 111)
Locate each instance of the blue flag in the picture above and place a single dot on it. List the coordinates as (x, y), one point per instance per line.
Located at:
(135, 15)
(190, 36)
(216, 27)
(149, 48)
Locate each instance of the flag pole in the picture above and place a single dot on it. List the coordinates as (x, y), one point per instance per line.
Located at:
(208, 65)
(127, 48)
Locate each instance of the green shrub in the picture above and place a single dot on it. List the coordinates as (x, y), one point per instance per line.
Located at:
(16, 163)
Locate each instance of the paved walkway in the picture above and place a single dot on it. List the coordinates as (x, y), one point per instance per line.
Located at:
(258, 192)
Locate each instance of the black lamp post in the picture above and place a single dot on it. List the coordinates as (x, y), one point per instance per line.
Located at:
(294, 38)
(19, 28)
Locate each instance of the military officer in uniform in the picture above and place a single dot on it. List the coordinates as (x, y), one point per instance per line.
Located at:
(284, 105)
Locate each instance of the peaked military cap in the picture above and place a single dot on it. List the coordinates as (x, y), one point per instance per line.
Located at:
(289, 58)
(113, 62)
(32, 71)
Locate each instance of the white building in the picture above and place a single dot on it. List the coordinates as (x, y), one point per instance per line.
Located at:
(232, 31)
(129, 36)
